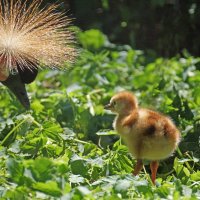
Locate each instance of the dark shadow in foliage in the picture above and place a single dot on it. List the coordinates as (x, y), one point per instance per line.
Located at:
(165, 26)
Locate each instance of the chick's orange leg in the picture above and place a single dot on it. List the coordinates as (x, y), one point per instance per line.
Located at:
(138, 167)
(154, 168)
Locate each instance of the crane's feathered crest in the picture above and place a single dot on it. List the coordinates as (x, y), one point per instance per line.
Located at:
(30, 35)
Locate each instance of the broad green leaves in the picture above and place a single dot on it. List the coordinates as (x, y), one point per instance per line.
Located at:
(65, 147)
(51, 188)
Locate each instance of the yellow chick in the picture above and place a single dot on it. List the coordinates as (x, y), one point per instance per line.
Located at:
(148, 134)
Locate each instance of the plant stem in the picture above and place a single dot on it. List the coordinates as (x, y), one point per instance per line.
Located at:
(12, 131)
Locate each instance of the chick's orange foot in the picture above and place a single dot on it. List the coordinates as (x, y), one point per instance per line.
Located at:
(148, 134)
(138, 167)
(153, 166)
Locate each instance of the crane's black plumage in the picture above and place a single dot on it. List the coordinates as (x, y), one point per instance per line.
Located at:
(27, 76)
(16, 83)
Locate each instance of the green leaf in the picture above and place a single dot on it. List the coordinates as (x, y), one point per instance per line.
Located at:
(92, 39)
(50, 187)
(195, 176)
(37, 106)
(123, 185)
(42, 169)
(16, 170)
(76, 179)
(79, 166)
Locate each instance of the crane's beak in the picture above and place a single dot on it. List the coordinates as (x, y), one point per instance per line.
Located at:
(15, 84)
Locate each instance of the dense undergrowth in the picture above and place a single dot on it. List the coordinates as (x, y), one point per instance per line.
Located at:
(64, 147)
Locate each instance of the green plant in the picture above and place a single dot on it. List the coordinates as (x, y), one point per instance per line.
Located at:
(65, 146)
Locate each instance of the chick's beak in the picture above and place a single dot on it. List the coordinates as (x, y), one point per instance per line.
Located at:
(108, 106)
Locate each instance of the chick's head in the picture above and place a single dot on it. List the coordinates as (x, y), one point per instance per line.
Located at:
(122, 103)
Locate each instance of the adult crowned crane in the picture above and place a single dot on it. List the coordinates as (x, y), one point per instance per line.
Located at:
(30, 37)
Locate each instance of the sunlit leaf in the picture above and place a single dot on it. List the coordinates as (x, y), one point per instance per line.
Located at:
(49, 187)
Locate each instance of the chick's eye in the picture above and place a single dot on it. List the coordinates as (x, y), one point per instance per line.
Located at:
(114, 103)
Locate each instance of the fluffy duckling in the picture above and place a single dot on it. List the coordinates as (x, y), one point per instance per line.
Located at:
(148, 134)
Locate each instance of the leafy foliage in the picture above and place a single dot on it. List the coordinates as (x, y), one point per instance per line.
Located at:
(65, 146)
